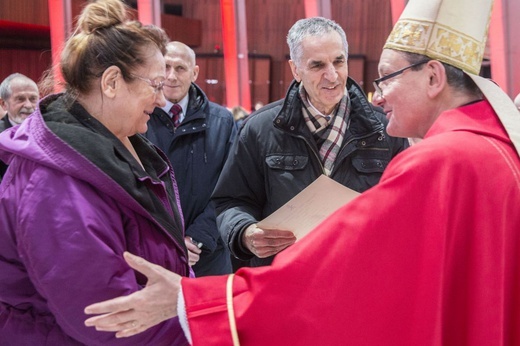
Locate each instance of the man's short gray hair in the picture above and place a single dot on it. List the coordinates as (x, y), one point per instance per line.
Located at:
(315, 26)
(5, 87)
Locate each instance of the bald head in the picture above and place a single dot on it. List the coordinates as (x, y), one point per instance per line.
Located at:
(181, 71)
(176, 48)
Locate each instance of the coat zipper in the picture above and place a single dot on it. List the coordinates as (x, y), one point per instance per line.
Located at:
(341, 150)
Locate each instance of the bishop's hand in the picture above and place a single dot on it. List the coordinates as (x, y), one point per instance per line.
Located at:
(135, 313)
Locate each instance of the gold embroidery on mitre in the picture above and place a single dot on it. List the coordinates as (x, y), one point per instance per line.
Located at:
(410, 35)
(437, 42)
(456, 49)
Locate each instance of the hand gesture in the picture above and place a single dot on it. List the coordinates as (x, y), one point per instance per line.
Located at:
(133, 314)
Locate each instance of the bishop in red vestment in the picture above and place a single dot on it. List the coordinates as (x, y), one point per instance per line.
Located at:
(429, 256)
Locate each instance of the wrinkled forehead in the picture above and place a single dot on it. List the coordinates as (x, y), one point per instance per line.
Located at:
(391, 58)
(179, 55)
(329, 38)
(178, 59)
(323, 48)
(22, 85)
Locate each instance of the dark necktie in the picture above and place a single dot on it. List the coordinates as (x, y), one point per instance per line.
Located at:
(176, 114)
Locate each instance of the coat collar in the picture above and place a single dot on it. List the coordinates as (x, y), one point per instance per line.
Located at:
(363, 119)
(478, 117)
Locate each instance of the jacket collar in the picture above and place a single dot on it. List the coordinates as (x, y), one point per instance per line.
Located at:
(6, 123)
(363, 119)
(197, 104)
(99, 148)
(478, 117)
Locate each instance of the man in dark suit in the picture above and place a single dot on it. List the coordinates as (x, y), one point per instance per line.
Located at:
(196, 135)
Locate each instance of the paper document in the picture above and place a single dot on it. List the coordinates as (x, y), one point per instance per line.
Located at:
(310, 207)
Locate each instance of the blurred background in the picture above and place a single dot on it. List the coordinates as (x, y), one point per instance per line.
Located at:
(240, 44)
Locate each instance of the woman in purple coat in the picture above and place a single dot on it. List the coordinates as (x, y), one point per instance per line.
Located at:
(83, 186)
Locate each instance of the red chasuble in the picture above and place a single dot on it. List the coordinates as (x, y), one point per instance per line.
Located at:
(430, 256)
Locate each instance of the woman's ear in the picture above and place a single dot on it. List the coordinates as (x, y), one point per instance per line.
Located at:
(111, 81)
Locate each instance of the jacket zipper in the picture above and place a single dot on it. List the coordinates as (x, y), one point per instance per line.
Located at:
(341, 150)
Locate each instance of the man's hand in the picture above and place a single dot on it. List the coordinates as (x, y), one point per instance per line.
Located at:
(266, 242)
(193, 251)
(133, 314)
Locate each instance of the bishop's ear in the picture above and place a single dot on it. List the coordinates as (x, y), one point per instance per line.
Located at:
(438, 79)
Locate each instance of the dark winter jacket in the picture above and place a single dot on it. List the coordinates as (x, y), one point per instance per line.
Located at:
(276, 157)
(197, 150)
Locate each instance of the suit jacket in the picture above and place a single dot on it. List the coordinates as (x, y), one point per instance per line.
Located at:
(197, 150)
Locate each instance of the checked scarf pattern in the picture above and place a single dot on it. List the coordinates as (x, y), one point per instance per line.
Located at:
(327, 131)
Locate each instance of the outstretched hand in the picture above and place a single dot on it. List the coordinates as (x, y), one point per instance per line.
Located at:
(135, 313)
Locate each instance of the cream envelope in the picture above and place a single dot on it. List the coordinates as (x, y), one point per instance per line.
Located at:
(310, 207)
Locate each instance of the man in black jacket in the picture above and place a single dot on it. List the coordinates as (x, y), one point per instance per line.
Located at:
(196, 135)
(324, 125)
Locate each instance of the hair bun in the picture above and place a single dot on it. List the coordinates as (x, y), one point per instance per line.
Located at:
(102, 14)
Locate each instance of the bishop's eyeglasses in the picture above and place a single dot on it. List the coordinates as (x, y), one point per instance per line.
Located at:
(377, 82)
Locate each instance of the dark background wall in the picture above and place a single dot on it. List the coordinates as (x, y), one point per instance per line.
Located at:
(25, 42)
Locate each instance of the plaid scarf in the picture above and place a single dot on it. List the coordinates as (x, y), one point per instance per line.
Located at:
(327, 131)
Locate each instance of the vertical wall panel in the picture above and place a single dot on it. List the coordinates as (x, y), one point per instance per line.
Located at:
(25, 11)
(260, 73)
(268, 24)
(211, 77)
(28, 62)
(367, 25)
